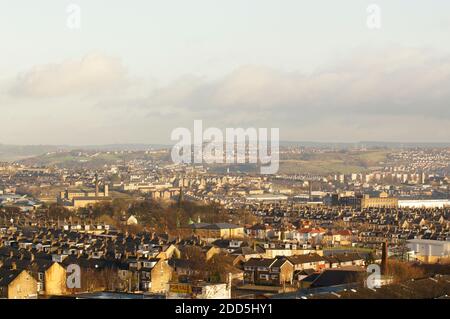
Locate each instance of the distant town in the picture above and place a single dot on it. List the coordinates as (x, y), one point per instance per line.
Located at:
(362, 221)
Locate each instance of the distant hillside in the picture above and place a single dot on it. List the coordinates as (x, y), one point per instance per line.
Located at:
(343, 161)
(90, 159)
(11, 153)
(121, 147)
(362, 144)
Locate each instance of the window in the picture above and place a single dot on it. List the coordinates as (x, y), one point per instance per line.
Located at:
(263, 276)
(41, 276)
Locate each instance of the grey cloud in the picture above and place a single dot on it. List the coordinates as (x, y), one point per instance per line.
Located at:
(401, 81)
(397, 94)
(93, 74)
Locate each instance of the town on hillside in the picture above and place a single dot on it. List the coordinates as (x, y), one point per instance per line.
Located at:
(143, 227)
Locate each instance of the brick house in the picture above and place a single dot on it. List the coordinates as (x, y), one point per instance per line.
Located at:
(273, 272)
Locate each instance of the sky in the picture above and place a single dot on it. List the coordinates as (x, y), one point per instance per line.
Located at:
(133, 71)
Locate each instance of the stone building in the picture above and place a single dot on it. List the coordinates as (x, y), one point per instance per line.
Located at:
(17, 284)
(382, 201)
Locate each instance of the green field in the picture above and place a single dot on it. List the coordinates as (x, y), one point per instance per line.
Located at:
(333, 162)
(91, 160)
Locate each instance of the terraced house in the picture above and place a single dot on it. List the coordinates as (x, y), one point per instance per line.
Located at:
(17, 284)
(274, 272)
(211, 232)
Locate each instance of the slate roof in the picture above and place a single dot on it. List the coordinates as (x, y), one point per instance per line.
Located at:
(7, 276)
(214, 226)
(307, 258)
(335, 277)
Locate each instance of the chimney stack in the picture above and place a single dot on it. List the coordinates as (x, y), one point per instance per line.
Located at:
(96, 185)
(384, 258)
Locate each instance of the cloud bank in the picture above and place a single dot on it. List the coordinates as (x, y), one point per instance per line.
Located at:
(404, 82)
(400, 94)
(93, 74)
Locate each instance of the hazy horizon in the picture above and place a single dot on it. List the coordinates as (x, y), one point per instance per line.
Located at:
(171, 143)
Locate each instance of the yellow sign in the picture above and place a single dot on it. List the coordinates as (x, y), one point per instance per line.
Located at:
(180, 288)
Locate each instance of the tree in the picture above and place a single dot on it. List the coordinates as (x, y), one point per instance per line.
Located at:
(218, 267)
(403, 271)
(370, 258)
(57, 211)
